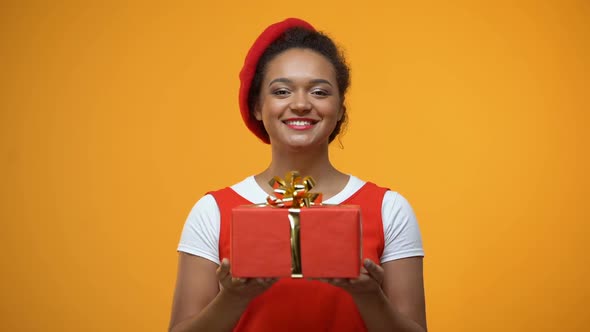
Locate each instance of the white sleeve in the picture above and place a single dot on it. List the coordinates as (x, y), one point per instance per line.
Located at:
(400, 229)
(200, 235)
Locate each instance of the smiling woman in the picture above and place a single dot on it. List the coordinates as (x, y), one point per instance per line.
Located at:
(299, 103)
(292, 96)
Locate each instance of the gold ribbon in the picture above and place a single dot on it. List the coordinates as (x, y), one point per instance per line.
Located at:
(292, 192)
(296, 270)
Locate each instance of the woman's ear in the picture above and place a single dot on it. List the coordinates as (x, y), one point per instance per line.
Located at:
(257, 113)
(341, 112)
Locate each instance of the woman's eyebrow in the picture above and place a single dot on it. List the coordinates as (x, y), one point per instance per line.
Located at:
(286, 80)
(320, 80)
(280, 80)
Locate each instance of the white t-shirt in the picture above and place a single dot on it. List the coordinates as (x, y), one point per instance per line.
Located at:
(200, 235)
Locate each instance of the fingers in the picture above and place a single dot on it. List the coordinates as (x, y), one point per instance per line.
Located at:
(223, 272)
(225, 277)
(375, 271)
(238, 280)
(223, 269)
(339, 281)
(266, 282)
(369, 267)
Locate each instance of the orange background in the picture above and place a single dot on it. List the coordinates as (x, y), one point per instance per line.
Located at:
(115, 118)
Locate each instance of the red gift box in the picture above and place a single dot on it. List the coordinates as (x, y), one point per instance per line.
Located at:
(329, 241)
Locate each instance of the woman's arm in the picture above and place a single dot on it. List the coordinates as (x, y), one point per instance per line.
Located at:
(400, 306)
(389, 298)
(200, 305)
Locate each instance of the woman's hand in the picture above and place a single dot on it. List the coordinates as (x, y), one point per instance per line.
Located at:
(367, 284)
(241, 288)
(372, 291)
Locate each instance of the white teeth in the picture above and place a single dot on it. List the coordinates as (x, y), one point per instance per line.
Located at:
(299, 123)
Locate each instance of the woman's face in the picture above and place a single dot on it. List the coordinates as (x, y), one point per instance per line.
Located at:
(299, 99)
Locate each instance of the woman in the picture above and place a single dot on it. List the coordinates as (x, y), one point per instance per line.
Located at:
(292, 93)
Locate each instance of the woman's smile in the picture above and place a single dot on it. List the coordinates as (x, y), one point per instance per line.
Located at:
(300, 123)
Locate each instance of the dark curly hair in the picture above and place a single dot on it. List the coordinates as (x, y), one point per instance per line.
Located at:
(304, 39)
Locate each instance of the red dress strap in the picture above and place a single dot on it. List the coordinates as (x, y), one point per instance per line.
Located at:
(370, 199)
(226, 199)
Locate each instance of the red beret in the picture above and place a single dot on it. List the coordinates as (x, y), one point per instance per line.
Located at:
(269, 35)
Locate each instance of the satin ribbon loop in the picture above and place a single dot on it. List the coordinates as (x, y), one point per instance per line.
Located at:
(293, 191)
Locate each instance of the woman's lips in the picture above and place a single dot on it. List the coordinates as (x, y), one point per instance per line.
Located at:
(300, 124)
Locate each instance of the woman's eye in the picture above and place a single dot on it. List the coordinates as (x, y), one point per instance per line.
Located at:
(320, 92)
(281, 92)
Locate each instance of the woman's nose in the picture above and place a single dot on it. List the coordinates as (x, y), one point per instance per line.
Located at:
(300, 103)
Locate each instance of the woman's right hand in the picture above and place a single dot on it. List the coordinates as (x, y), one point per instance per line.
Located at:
(200, 304)
(241, 288)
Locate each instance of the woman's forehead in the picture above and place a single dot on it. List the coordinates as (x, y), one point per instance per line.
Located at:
(300, 63)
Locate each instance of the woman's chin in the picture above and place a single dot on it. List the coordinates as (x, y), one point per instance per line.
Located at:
(299, 144)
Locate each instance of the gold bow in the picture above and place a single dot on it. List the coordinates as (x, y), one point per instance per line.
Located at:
(293, 191)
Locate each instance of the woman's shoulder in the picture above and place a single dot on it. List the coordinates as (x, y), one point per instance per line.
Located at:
(391, 198)
(246, 189)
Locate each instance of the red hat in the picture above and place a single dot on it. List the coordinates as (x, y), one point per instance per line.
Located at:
(267, 37)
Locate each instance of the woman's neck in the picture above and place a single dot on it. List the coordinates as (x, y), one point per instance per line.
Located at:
(315, 163)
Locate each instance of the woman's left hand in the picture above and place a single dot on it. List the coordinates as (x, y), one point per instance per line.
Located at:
(368, 283)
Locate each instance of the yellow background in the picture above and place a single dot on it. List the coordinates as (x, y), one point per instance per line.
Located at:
(115, 118)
